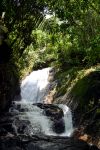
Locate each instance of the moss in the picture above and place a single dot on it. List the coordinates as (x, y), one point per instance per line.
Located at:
(79, 88)
(82, 86)
(65, 78)
(86, 90)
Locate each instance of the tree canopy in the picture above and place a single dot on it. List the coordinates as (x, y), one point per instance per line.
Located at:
(70, 36)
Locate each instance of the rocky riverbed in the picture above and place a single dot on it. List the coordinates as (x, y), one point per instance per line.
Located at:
(37, 142)
(16, 136)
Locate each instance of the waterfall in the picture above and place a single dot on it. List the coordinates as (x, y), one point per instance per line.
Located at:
(34, 86)
(31, 118)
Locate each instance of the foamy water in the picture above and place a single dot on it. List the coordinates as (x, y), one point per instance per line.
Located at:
(34, 88)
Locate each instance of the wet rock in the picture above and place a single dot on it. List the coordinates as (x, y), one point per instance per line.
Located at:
(8, 127)
(33, 146)
(52, 71)
(3, 131)
(6, 124)
(93, 147)
(54, 112)
(43, 143)
(13, 111)
(51, 75)
(51, 110)
(59, 126)
(22, 126)
(8, 84)
(56, 115)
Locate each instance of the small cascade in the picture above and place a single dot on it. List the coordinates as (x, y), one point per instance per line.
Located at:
(68, 120)
(30, 118)
(34, 117)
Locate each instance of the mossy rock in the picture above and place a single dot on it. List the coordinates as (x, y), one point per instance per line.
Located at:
(86, 91)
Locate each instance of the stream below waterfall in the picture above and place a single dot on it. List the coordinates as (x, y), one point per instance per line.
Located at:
(32, 118)
(32, 124)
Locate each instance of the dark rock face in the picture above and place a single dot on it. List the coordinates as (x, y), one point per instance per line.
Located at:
(8, 71)
(9, 83)
(42, 143)
(85, 96)
(55, 114)
(85, 91)
(51, 110)
(59, 126)
(5, 53)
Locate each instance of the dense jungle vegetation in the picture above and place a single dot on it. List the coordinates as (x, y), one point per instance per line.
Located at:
(64, 34)
(70, 37)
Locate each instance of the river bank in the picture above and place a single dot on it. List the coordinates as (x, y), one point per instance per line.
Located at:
(79, 89)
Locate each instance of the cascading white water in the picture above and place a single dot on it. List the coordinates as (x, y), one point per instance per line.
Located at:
(34, 88)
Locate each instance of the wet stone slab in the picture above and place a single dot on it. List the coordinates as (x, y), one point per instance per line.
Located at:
(42, 143)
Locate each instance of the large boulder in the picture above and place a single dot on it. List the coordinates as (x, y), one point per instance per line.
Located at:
(51, 110)
(58, 125)
(55, 113)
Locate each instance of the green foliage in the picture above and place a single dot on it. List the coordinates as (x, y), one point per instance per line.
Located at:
(69, 38)
(21, 17)
(86, 91)
(82, 23)
(65, 79)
